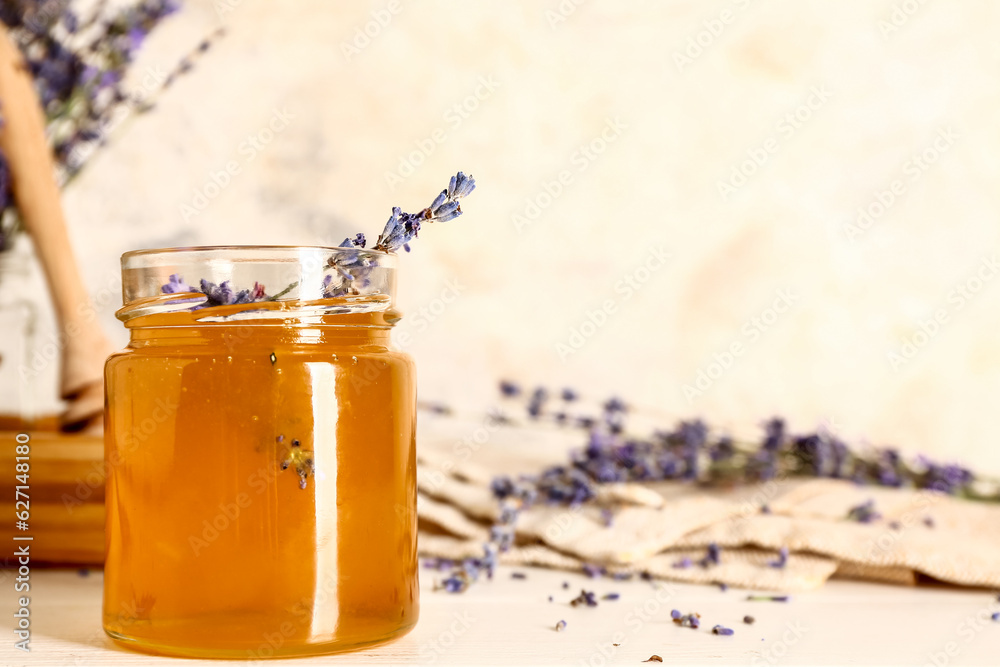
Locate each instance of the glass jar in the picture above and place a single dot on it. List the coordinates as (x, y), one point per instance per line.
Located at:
(261, 494)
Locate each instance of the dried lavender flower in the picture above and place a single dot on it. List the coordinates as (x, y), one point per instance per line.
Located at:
(767, 598)
(692, 620)
(176, 285)
(864, 513)
(401, 228)
(350, 268)
(712, 555)
(560, 626)
(585, 597)
(720, 630)
(749, 620)
(781, 560)
(610, 596)
(509, 389)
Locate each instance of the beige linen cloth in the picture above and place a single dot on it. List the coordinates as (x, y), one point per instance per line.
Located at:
(655, 526)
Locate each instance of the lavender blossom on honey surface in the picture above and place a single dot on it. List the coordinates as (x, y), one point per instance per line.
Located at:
(349, 270)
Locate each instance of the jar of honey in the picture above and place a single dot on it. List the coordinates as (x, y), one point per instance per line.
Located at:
(259, 439)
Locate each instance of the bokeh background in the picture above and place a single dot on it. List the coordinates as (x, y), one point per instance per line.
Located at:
(672, 195)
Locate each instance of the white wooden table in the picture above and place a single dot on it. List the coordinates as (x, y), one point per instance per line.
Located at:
(511, 622)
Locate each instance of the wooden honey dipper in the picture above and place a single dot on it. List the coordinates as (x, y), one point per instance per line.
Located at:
(84, 347)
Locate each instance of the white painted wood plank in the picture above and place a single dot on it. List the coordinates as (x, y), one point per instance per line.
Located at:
(511, 622)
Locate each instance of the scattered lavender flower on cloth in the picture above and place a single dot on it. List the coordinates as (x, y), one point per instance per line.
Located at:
(781, 560)
(712, 555)
(864, 513)
(721, 630)
(767, 598)
(560, 626)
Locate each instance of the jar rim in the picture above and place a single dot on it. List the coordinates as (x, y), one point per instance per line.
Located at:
(327, 278)
(141, 252)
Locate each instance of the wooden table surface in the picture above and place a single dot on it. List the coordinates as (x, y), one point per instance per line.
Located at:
(511, 622)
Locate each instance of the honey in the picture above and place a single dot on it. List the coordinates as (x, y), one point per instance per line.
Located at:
(261, 497)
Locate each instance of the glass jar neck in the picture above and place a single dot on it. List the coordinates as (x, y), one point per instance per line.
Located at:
(186, 329)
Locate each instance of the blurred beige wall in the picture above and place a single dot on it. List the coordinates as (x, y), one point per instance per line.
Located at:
(729, 209)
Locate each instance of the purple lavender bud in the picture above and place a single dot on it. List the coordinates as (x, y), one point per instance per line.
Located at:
(538, 399)
(560, 626)
(509, 389)
(720, 630)
(675, 614)
(775, 434)
(782, 559)
(218, 295)
(682, 564)
(712, 555)
(176, 285)
(864, 513)
(438, 201)
(614, 404)
(447, 211)
(460, 186)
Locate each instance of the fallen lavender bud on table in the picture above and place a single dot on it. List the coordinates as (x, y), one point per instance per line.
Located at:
(585, 597)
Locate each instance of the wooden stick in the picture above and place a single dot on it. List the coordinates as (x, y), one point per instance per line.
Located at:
(23, 142)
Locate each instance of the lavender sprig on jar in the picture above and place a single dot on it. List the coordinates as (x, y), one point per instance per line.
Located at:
(348, 271)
